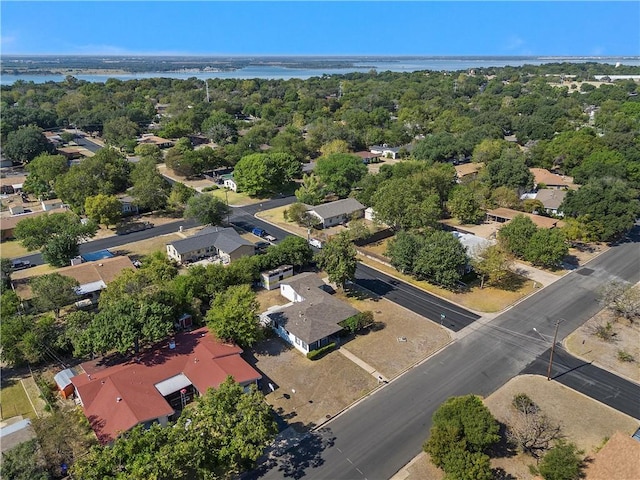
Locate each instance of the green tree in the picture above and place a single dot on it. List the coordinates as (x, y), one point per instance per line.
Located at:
(609, 202)
(515, 235)
(22, 462)
(403, 250)
(149, 151)
(505, 197)
(562, 462)
(465, 205)
(43, 171)
(338, 258)
(9, 303)
(441, 259)
(107, 172)
(340, 172)
(105, 209)
(207, 209)
(465, 465)
(547, 248)
(261, 173)
(58, 234)
(12, 330)
(25, 144)
(53, 291)
(234, 316)
(292, 250)
(460, 424)
(311, 191)
(119, 132)
(492, 264)
(179, 196)
(127, 323)
(150, 189)
(510, 170)
(6, 268)
(402, 203)
(220, 127)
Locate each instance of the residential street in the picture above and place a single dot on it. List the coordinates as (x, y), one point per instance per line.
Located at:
(377, 437)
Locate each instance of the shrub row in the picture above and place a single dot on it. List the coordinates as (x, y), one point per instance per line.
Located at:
(321, 352)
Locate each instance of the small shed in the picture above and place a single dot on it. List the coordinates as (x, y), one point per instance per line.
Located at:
(63, 381)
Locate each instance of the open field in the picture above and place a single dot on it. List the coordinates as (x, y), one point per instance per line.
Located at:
(145, 247)
(562, 405)
(14, 401)
(583, 343)
(307, 392)
(234, 198)
(399, 339)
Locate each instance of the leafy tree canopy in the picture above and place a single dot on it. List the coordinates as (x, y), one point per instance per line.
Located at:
(340, 172)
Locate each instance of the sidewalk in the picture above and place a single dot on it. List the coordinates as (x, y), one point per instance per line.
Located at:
(362, 364)
(541, 277)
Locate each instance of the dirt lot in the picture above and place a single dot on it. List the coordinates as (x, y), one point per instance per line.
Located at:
(197, 184)
(585, 344)
(562, 405)
(145, 247)
(308, 392)
(400, 338)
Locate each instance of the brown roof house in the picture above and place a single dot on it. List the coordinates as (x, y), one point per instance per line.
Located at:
(312, 318)
(155, 387)
(504, 215)
(619, 459)
(542, 176)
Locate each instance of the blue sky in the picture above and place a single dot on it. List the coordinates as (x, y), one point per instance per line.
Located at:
(321, 28)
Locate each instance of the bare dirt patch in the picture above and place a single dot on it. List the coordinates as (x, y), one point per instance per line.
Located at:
(145, 247)
(196, 184)
(308, 392)
(399, 338)
(269, 298)
(584, 421)
(584, 344)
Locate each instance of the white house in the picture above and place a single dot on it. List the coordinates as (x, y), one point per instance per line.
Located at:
(385, 150)
(335, 213)
(229, 182)
(225, 243)
(48, 205)
(312, 317)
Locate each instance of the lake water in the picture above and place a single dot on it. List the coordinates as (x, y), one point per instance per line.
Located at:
(277, 72)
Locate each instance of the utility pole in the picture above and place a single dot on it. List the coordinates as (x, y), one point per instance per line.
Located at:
(206, 84)
(553, 346)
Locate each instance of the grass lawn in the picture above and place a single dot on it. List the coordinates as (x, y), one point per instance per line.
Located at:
(12, 249)
(235, 198)
(145, 247)
(14, 402)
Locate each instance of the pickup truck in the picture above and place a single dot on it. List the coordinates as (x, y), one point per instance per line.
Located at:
(259, 232)
(21, 264)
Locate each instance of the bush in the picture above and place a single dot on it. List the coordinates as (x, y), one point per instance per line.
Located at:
(604, 332)
(210, 188)
(358, 321)
(321, 352)
(523, 403)
(563, 462)
(624, 356)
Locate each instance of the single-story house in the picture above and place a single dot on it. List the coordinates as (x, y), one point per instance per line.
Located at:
(48, 205)
(229, 182)
(155, 386)
(550, 198)
(8, 224)
(312, 318)
(467, 171)
(385, 150)
(74, 152)
(93, 277)
(368, 157)
(617, 459)
(504, 215)
(12, 184)
(271, 279)
(542, 176)
(128, 205)
(17, 210)
(53, 138)
(473, 244)
(335, 213)
(225, 243)
(151, 139)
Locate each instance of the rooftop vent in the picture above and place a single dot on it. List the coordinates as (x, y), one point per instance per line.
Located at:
(118, 399)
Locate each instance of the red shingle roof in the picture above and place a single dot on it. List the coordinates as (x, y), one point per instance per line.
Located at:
(201, 357)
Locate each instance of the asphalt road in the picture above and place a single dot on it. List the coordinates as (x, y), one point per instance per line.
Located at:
(455, 317)
(381, 434)
(88, 144)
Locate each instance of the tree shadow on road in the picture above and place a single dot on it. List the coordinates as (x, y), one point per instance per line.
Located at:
(292, 460)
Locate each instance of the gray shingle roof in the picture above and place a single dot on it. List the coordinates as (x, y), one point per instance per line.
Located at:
(551, 198)
(345, 206)
(225, 239)
(318, 315)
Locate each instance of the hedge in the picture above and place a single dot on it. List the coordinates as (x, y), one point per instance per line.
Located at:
(319, 353)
